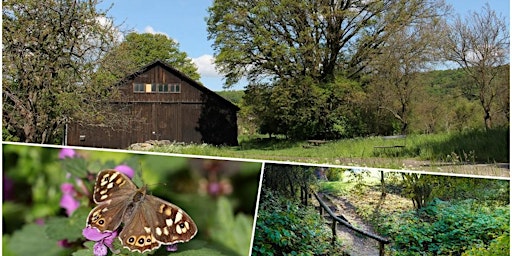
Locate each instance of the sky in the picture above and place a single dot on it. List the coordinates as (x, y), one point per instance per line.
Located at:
(185, 22)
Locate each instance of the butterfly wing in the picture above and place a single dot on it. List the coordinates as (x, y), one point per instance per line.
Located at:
(112, 193)
(112, 185)
(156, 222)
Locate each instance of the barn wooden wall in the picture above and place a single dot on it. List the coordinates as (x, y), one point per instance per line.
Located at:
(193, 115)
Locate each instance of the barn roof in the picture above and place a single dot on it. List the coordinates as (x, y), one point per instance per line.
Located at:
(182, 76)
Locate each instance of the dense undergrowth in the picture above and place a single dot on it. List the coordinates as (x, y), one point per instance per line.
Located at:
(465, 216)
(447, 228)
(284, 227)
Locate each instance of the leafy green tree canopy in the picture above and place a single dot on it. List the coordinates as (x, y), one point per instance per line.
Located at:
(142, 49)
(51, 49)
(313, 38)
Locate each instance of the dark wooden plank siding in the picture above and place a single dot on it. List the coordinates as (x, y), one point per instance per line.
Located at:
(160, 75)
(194, 115)
(190, 122)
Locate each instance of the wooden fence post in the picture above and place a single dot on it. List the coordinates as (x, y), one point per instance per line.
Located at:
(306, 194)
(333, 226)
(381, 248)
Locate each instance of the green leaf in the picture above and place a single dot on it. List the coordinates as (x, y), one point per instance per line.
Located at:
(77, 166)
(85, 252)
(6, 251)
(32, 240)
(233, 232)
(60, 228)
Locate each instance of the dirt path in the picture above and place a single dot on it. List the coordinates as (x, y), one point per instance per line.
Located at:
(354, 244)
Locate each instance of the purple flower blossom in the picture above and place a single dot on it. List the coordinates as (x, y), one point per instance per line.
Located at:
(8, 188)
(64, 243)
(214, 188)
(100, 249)
(67, 153)
(68, 200)
(127, 170)
(102, 239)
(172, 248)
(39, 221)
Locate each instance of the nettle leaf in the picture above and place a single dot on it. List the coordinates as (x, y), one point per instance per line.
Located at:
(32, 240)
(196, 247)
(85, 252)
(6, 251)
(60, 228)
(77, 166)
(232, 231)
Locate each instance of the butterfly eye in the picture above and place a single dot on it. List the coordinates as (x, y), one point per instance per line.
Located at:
(182, 225)
(131, 240)
(101, 222)
(141, 240)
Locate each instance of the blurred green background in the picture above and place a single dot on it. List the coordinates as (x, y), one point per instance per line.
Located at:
(219, 195)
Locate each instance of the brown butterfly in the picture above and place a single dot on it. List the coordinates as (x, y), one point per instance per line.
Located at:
(148, 221)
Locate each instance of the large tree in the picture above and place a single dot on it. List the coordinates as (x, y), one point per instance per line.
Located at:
(141, 49)
(406, 54)
(51, 54)
(313, 38)
(480, 44)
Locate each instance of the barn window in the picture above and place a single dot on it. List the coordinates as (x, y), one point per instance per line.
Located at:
(158, 88)
(138, 87)
(175, 88)
(167, 88)
(163, 88)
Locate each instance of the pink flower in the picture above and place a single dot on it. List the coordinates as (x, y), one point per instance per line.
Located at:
(127, 170)
(68, 200)
(64, 243)
(102, 239)
(172, 248)
(67, 153)
(8, 188)
(214, 188)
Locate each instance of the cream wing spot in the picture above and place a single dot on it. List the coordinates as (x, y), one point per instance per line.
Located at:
(103, 197)
(158, 231)
(168, 222)
(168, 211)
(147, 229)
(113, 176)
(179, 215)
(110, 185)
(178, 229)
(104, 179)
(166, 231)
(161, 209)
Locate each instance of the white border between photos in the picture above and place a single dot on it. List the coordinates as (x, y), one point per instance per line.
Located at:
(264, 161)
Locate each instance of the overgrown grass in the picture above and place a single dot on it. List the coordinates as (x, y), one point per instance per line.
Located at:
(475, 146)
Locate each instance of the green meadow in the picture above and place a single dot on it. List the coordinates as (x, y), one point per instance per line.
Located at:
(475, 147)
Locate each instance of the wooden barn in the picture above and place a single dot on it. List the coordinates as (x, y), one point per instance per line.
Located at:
(163, 104)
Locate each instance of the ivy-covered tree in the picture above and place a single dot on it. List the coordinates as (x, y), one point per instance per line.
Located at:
(51, 51)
